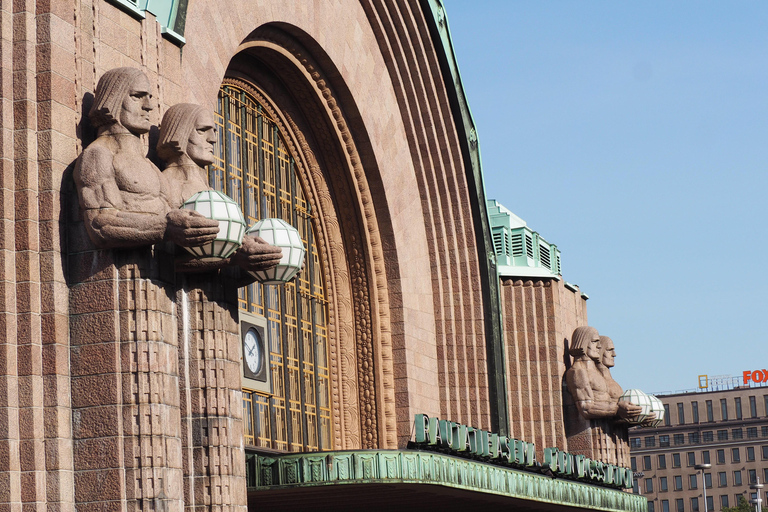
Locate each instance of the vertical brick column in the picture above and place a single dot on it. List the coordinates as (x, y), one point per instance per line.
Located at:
(125, 383)
(10, 486)
(211, 397)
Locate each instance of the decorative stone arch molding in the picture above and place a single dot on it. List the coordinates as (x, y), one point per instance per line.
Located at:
(298, 87)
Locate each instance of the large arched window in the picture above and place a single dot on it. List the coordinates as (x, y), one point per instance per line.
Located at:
(255, 168)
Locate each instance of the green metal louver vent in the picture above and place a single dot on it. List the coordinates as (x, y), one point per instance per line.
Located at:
(520, 251)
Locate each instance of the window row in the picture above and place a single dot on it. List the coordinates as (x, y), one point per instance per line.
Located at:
(726, 412)
(661, 459)
(707, 436)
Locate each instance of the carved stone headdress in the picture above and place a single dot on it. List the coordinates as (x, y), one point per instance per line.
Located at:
(110, 93)
(178, 122)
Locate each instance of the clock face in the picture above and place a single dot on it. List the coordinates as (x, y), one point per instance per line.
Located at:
(252, 350)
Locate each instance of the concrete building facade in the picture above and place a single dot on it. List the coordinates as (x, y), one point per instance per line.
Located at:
(727, 429)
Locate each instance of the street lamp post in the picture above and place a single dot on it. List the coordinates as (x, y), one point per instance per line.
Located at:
(758, 500)
(702, 468)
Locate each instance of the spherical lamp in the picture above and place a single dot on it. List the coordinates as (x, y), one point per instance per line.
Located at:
(637, 397)
(657, 407)
(219, 207)
(280, 233)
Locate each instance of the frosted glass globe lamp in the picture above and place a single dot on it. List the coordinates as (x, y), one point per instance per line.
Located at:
(280, 233)
(657, 407)
(637, 397)
(217, 206)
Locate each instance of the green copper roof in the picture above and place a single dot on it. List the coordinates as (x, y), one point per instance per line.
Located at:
(170, 14)
(411, 470)
(520, 251)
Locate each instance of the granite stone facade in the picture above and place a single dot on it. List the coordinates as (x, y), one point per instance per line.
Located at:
(120, 377)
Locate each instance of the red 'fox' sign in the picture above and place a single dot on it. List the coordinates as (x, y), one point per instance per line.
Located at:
(755, 376)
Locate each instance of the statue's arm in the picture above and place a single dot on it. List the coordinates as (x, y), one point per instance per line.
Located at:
(580, 387)
(107, 222)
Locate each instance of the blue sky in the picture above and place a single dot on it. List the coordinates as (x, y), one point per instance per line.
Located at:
(634, 136)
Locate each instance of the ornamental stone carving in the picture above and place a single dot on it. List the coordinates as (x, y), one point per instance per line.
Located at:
(187, 135)
(123, 195)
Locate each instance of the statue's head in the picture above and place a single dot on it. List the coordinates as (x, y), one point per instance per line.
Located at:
(123, 97)
(607, 352)
(187, 129)
(585, 341)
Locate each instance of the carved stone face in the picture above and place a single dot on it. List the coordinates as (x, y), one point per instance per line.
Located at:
(201, 140)
(609, 352)
(593, 348)
(136, 106)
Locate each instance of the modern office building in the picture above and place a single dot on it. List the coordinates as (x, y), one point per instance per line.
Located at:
(123, 385)
(727, 430)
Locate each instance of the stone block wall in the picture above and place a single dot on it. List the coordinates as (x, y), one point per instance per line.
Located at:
(539, 318)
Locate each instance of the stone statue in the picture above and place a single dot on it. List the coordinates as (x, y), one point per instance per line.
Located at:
(593, 393)
(604, 365)
(123, 195)
(187, 135)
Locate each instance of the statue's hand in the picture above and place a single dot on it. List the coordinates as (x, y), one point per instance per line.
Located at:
(650, 419)
(188, 228)
(255, 254)
(628, 410)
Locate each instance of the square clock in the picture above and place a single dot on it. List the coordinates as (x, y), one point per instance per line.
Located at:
(255, 353)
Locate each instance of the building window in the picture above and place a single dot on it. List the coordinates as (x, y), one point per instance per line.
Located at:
(633, 463)
(255, 167)
(710, 415)
(679, 438)
(695, 411)
(693, 438)
(676, 459)
(705, 457)
(636, 486)
(722, 480)
(651, 507)
(752, 407)
(752, 476)
(679, 505)
(735, 455)
(737, 477)
(765, 402)
(721, 456)
(663, 483)
(752, 432)
(765, 475)
(708, 480)
(738, 407)
(668, 419)
(750, 453)
(723, 409)
(764, 431)
(662, 462)
(664, 505)
(663, 440)
(765, 452)
(678, 483)
(695, 504)
(646, 462)
(710, 503)
(680, 414)
(724, 501)
(707, 436)
(693, 482)
(738, 433)
(648, 485)
(722, 435)
(650, 441)
(691, 458)
(635, 442)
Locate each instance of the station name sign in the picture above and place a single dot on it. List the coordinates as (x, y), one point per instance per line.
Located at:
(461, 440)
(755, 376)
